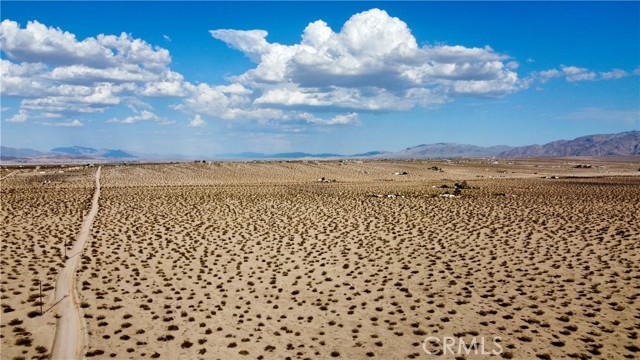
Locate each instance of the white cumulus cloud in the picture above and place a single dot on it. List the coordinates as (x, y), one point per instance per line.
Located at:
(54, 72)
(197, 121)
(374, 63)
(39, 43)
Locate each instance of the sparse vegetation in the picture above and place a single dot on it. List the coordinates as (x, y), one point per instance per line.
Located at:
(257, 261)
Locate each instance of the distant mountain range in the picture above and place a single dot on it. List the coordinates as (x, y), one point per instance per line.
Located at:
(621, 144)
(626, 143)
(447, 150)
(60, 154)
(291, 155)
(91, 152)
(295, 155)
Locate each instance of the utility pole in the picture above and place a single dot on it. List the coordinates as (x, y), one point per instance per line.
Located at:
(65, 248)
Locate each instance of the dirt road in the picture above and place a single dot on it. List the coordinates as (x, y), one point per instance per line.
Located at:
(68, 341)
(10, 174)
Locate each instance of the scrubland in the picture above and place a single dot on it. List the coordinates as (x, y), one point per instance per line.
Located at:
(261, 260)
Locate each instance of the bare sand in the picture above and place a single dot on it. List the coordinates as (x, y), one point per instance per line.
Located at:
(260, 260)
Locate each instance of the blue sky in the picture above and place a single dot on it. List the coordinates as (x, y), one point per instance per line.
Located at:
(201, 78)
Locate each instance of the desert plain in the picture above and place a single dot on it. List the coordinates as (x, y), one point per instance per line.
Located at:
(261, 260)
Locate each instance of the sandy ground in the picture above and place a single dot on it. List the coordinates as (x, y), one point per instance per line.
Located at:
(40, 213)
(8, 175)
(69, 336)
(259, 260)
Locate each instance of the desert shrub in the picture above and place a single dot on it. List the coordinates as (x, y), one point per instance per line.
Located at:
(167, 337)
(96, 352)
(24, 341)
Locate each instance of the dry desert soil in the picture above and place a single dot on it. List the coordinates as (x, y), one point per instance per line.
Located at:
(260, 260)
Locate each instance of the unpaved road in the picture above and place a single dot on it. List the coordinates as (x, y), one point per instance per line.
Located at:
(10, 174)
(67, 343)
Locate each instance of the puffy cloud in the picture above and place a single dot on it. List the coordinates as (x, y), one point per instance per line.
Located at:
(613, 74)
(546, 75)
(574, 73)
(81, 74)
(66, 99)
(351, 118)
(294, 117)
(496, 87)
(39, 43)
(128, 50)
(197, 121)
(251, 42)
(348, 99)
(345, 119)
(224, 101)
(21, 79)
(144, 115)
(373, 63)
(19, 117)
(56, 73)
(171, 84)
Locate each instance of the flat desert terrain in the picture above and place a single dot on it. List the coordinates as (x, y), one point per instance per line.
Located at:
(260, 260)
